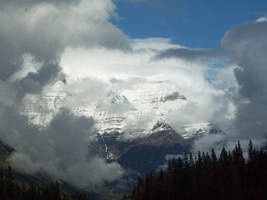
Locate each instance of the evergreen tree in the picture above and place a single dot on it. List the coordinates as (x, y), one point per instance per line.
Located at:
(228, 177)
(250, 151)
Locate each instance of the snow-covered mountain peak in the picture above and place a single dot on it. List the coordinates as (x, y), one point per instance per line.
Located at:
(161, 126)
(141, 108)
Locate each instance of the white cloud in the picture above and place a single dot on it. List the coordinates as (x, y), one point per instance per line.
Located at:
(262, 19)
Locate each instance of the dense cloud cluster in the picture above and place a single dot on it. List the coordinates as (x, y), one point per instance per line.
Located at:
(44, 29)
(33, 35)
(61, 149)
(247, 45)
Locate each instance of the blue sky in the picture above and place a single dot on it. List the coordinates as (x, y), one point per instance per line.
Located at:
(192, 23)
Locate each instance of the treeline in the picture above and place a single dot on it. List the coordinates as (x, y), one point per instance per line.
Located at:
(206, 177)
(11, 189)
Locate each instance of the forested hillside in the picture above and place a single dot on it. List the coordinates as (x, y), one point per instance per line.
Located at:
(13, 189)
(206, 177)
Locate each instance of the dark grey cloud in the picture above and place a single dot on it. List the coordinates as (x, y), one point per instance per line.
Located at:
(172, 97)
(189, 54)
(247, 45)
(34, 82)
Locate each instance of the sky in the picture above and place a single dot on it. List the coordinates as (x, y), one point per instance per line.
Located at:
(195, 24)
(212, 53)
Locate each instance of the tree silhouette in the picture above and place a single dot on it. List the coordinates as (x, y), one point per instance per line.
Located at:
(207, 178)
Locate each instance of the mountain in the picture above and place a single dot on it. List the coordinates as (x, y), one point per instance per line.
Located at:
(131, 123)
(134, 110)
(147, 153)
(151, 151)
